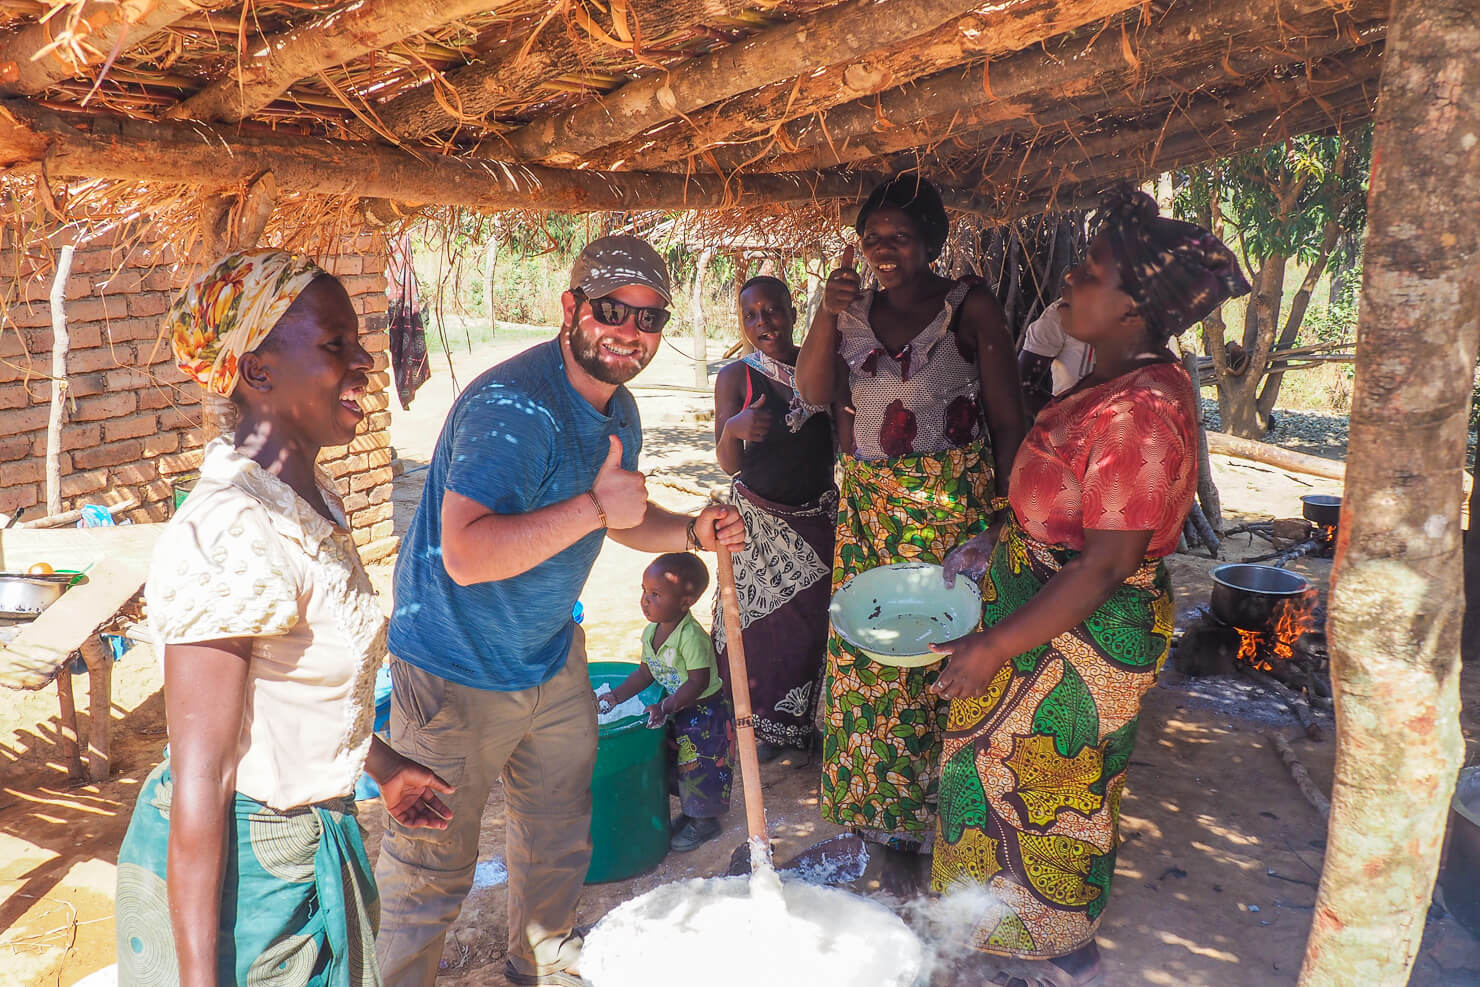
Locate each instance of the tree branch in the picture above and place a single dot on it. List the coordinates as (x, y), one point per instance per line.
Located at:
(71, 48)
(332, 39)
(846, 31)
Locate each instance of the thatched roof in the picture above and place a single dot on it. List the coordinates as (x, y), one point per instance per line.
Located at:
(753, 106)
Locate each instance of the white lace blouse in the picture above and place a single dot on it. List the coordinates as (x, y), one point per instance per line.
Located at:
(245, 556)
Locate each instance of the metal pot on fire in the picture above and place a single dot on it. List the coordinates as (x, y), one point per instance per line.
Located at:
(1249, 596)
(1322, 509)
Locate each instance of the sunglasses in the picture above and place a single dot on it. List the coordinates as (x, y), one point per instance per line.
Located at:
(610, 312)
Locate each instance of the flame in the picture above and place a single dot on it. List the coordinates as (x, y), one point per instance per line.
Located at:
(1293, 618)
(1328, 534)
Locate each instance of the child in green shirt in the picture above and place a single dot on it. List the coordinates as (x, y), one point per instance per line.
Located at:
(677, 654)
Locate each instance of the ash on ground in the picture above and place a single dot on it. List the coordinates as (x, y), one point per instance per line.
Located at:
(1233, 695)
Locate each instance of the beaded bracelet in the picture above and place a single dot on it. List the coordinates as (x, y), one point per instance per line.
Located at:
(1000, 504)
(691, 537)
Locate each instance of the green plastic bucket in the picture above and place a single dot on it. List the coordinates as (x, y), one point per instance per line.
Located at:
(629, 788)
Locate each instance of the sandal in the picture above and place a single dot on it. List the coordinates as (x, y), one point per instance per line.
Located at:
(694, 833)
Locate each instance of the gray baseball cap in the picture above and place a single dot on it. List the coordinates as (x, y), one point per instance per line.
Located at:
(611, 262)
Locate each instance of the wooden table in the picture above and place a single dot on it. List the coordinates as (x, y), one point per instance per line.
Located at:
(45, 648)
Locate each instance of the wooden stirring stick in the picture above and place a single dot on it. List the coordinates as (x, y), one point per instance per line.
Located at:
(750, 765)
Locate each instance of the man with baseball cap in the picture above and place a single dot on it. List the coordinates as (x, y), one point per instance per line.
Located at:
(535, 466)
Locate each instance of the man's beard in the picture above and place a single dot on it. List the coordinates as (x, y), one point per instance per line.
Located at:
(586, 348)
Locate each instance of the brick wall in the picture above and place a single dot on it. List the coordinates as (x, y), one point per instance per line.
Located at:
(132, 423)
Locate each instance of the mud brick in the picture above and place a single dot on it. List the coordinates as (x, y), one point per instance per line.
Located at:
(182, 462)
(161, 443)
(148, 304)
(97, 308)
(21, 472)
(105, 406)
(344, 264)
(111, 454)
(14, 498)
(17, 395)
(23, 420)
(355, 502)
(127, 330)
(101, 358)
(379, 457)
(371, 478)
(135, 474)
(370, 440)
(74, 436)
(382, 529)
(81, 484)
(374, 342)
(179, 417)
(15, 447)
(130, 428)
(84, 385)
(370, 515)
(380, 494)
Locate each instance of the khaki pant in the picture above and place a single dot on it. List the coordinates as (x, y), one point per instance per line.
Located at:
(542, 743)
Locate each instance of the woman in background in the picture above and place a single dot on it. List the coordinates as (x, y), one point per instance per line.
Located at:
(779, 449)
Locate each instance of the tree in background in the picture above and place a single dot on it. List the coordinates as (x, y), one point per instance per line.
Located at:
(1304, 200)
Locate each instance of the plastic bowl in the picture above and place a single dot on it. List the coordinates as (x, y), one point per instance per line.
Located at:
(895, 612)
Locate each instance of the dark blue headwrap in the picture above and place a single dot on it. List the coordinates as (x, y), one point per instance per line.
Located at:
(1175, 272)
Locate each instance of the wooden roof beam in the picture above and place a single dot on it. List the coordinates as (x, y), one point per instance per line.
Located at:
(838, 33)
(1191, 34)
(505, 75)
(191, 154)
(339, 36)
(1070, 179)
(71, 49)
(1168, 104)
(977, 35)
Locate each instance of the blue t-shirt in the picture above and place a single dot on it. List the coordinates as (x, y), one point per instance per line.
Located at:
(518, 439)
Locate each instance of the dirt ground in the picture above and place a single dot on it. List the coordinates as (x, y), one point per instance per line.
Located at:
(1214, 884)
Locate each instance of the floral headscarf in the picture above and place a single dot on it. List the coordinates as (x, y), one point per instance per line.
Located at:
(229, 311)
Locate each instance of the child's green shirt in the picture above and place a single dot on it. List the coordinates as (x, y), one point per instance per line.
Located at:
(687, 649)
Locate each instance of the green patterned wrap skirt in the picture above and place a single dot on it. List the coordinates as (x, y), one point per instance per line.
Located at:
(1032, 772)
(882, 725)
(298, 907)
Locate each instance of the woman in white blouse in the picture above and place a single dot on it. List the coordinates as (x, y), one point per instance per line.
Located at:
(243, 862)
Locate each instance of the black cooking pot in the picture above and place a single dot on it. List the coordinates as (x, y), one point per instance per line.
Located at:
(1321, 508)
(1248, 596)
(1459, 877)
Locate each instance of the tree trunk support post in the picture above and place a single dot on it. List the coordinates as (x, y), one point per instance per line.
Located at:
(1396, 601)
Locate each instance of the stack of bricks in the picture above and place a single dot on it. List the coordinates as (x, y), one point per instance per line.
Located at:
(131, 430)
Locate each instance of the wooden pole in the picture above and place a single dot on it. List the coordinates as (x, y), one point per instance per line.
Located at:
(696, 312)
(1263, 452)
(750, 765)
(60, 343)
(1396, 602)
(67, 728)
(99, 708)
(74, 146)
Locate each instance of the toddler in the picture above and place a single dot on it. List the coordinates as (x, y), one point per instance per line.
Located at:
(678, 655)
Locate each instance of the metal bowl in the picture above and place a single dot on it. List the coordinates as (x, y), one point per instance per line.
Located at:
(893, 613)
(25, 595)
(1246, 595)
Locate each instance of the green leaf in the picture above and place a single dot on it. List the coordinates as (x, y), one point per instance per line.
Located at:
(1117, 754)
(1068, 714)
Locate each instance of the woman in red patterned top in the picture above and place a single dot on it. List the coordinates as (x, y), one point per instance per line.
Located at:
(1078, 611)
